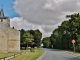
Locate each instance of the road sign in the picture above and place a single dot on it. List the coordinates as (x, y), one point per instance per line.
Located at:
(73, 41)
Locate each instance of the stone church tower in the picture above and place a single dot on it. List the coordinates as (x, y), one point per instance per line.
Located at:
(9, 37)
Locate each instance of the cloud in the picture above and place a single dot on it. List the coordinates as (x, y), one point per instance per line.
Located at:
(45, 15)
(19, 23)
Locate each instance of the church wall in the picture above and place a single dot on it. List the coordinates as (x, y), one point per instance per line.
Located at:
(3, 37)
(9, 37)
(14, 40)
(3, 42)
(6, 21)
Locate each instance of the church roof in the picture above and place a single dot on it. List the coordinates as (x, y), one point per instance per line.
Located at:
(2, 14)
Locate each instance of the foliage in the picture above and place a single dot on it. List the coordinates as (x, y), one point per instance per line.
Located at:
(46, 42)
(30, 37)
(37, 37)
(69, 29)
(21, 37)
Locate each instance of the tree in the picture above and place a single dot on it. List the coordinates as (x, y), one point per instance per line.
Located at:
(46, 42)
(37, 37)
(22, 31)
(28, 38)
(69, 29)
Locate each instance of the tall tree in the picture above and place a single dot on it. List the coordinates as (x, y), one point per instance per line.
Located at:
(28, 38)
(69, 29)
(37, 37)
(22, 31)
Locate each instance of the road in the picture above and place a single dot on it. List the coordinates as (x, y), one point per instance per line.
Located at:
(54, 54)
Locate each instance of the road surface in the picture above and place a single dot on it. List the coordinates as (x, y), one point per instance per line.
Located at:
(54, 54)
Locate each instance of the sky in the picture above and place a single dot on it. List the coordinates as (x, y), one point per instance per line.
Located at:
(45, 15)
(7, 6)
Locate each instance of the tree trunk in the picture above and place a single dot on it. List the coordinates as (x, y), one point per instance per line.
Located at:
(26, 46)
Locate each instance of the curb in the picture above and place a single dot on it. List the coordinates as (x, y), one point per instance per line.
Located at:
(72, 54)
(41, 56)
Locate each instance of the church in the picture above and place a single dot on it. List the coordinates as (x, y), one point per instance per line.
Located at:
(9, 37)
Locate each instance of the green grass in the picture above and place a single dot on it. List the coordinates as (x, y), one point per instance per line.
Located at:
(9, 53)
(5, 54)
(74, 53)
(30, 56)
(24, 51)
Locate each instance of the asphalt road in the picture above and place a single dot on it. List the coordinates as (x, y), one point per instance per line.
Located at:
(54, 54)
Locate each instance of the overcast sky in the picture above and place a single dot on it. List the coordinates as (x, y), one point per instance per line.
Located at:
(44, 15)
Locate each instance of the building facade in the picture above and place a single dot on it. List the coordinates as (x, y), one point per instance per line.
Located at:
(9, 37)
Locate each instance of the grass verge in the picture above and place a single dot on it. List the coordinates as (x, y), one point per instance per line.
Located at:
(30, 56)
(9, 53)
(6, 54)
(73, 53)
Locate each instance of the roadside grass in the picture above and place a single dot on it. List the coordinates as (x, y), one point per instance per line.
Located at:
(3, 54)
(6, 54)
(30, 56)
(73, 53)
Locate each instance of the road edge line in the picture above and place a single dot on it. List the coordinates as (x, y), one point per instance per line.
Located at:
(41, 56)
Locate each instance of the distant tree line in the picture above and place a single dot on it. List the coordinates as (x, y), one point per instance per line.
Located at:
(30, 38)
(46, 42)
(62, 36)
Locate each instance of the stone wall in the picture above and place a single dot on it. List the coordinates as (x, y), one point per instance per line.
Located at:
(6, 21)
(9, 39)
(13, 40)
(3, 37)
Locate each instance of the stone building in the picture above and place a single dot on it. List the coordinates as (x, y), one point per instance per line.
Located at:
(9, 37)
